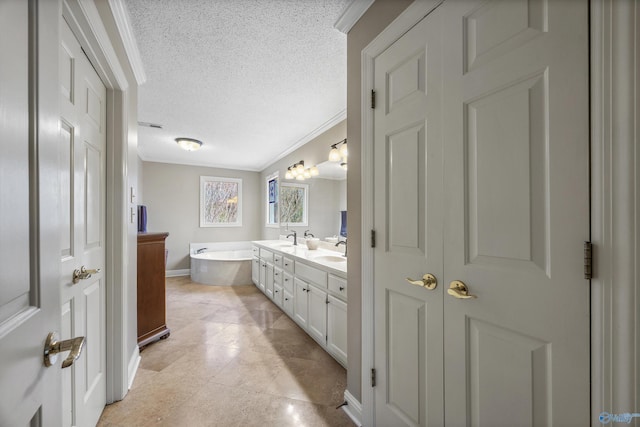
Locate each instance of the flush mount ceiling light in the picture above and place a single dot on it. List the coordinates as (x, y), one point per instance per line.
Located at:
(298, 171)
(189, 144)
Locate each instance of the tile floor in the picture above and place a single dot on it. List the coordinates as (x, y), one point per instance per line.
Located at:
(233, 359)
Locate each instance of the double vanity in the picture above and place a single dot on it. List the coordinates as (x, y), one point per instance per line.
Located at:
(310, 286)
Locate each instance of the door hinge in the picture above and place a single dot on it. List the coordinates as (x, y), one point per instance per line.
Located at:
(373, 99)
(588, 260)
(373, 378)
(373, 238)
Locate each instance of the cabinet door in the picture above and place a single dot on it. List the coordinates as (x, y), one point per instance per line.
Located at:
(287, 303)
(317, 320)
(337, 329)
(269, 280)
(277, 275)
(255, 271)
(277, 295)
(263, 275)
(300, 304)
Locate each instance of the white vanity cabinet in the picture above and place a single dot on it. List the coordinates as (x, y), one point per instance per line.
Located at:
(313, 294)
(337, 329)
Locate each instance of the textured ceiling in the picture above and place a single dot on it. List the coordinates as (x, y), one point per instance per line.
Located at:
(252, 79)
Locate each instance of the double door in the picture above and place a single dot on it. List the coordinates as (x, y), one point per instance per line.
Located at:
(481, 179)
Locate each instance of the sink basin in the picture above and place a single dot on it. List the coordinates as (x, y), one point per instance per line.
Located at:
(279, 244)
(329, 258)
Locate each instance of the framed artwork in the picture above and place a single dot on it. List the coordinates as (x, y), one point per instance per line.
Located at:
(293, 204)
(220, 202)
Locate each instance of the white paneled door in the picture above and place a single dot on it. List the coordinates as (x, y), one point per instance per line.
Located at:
(82, 154)
(481, 151)
(30, 393)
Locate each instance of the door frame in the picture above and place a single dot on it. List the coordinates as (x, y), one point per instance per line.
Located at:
(615, 354)
(86, 24)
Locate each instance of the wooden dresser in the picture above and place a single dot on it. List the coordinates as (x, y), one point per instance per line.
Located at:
(152, 308)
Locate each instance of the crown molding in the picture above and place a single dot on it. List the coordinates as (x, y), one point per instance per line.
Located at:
(121, 17)
(351, 14)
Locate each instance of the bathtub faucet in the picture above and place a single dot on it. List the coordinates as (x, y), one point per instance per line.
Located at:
(199, 251)
(295, 238)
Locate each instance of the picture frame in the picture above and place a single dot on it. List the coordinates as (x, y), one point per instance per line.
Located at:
(220, 202)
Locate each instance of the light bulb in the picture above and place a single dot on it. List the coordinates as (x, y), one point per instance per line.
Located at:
(300, 168)
(307, 174)
(314, 171)
(300, 177)
(288, 175)
(334, 155)
(294, 172)
(343, 150)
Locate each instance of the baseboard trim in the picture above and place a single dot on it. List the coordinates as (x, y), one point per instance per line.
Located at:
(353, 408)
(134, 363)
(177, 273)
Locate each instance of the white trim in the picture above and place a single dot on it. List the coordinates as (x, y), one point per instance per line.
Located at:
(352, 14)
(353, 408)
(134, 363)
(178, 273)
(123, 23)
(85, 22)
(342, 115)
(403, 23)
(615, 191)
(270, 177)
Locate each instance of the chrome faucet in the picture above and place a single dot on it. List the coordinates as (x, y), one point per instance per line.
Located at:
(307, 234)
(343, 242)
(199, 251)
(295, 238)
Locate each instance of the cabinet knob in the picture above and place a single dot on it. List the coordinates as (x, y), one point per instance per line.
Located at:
(342, 288)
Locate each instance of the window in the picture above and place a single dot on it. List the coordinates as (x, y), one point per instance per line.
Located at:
(293, 204)
(272, 201)
(220, 202)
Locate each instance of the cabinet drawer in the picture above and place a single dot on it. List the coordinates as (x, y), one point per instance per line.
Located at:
(277, 260)
(277, 275)
(266, 255)
(287, 264)
(287, 282)
(312, 274)
(277, 295)
(338, 285)
(256, 251)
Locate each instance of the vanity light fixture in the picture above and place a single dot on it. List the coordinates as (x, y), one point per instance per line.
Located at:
(189, 144)
(335, 155)
(299, 172)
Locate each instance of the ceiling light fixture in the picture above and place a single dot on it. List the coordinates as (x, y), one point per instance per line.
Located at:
(335, 155)
(189, 144)
(299, 172)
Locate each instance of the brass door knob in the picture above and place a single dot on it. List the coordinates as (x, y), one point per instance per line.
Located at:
(458, 289)
(428, 281)
(52, 347)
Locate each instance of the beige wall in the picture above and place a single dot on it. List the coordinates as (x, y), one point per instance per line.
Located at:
(324, 194)
(376, 19)
(172, 197)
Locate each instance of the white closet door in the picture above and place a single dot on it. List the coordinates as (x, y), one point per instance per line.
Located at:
(516, 197)
(408, 221)
(82, 157)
